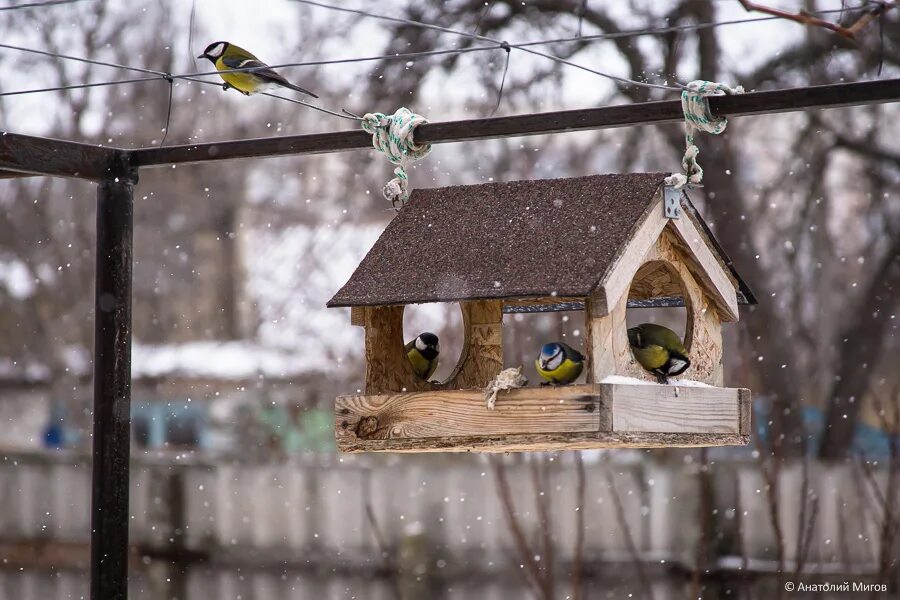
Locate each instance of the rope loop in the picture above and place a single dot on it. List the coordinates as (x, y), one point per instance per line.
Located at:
(698, 117)
(392, 135)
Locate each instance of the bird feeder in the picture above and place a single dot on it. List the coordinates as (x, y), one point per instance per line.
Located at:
(599, 244)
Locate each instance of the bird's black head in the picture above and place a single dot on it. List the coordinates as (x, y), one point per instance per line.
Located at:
(427, 343)
(214, 51)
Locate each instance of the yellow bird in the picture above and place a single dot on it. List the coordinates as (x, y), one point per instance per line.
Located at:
(659, 350)
(559, 363)
(226, 57)
(422, 353)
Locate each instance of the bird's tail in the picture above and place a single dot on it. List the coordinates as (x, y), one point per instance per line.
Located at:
(297, 88)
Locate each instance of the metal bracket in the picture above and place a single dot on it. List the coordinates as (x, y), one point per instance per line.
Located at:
(672, 202)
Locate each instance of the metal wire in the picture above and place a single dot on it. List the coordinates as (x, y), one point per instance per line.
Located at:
(475, 36)
(494, 45)
(39, 4)
(89, 61)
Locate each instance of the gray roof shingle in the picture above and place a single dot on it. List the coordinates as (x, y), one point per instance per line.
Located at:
(520, 239)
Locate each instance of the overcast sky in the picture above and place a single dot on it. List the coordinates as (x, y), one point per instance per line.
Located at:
(269, 28)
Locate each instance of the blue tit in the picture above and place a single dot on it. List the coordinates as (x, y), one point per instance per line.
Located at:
(659, 350)
(559, 363)
(226, 56)
(422, 353)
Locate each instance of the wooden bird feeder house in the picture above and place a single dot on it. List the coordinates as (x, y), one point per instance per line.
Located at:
(598, 244)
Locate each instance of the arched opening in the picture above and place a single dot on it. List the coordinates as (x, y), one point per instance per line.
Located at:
(446, 322)
(525, 332)
(658, 295)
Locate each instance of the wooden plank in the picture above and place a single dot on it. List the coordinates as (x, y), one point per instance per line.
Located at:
(673, 409)
(617, 280)
(358, 316)
(546, 442)
(29, 155)
(607, 338)
(454, 413)
(668, 111)
(711, 271)
(387, 368)
(746, 408)
(482, 354)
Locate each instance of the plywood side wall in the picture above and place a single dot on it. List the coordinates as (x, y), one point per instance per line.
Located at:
(607, 335)
(388, 370)
(482, 355)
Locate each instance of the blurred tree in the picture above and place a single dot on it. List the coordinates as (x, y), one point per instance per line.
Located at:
(814, 338)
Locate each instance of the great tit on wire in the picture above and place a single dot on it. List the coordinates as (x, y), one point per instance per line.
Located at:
(559, 363)
(422, 353)
(659, 350)
(226, 56)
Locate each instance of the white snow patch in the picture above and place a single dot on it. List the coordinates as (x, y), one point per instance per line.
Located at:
(221, 360)
(620, 379)
(14, 276)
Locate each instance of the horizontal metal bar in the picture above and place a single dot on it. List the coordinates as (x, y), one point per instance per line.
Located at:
(755, 103)
(26, 155)
(512, 309)
(661, 302)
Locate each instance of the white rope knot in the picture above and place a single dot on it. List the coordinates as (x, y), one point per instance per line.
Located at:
(392, 135)
(506, 379)
(698, 117)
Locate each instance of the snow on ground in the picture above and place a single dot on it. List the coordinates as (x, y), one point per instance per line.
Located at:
(219, 360)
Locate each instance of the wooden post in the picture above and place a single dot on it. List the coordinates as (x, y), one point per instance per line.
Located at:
(482, 355)
(387, 368)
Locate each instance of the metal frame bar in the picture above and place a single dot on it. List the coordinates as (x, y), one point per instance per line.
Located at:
(112, 384)
(116, 170)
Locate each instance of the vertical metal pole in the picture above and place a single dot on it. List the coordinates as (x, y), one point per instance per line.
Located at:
(112, 387)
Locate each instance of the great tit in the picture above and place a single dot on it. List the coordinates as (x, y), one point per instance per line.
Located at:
(422, 353)
(226, 56)
(559, 363)
(659, 350)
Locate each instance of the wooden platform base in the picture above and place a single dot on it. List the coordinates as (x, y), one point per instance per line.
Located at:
(575, 417)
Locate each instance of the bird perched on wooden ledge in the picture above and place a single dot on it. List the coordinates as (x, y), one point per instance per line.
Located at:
(659, 350)
(226, 57)
(423, 353)
(559, 363)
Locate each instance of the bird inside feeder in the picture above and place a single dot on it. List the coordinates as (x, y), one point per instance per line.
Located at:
(506, 248)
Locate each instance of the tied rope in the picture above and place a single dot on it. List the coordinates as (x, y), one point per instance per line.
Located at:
(392, 135)
(507, 379)
(698, 117)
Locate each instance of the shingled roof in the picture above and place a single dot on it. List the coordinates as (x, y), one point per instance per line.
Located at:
(521, 239)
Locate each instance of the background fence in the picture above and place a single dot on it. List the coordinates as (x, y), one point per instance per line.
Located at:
(329, 526)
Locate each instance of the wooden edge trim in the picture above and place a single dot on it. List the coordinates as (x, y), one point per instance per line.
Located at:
(617, 280)
(724, 288)
(545, 442)
(745, 399)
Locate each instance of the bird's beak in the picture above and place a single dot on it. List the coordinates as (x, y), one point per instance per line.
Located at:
(202, 56)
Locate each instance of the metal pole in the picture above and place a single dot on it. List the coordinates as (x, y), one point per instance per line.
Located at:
(112, 386)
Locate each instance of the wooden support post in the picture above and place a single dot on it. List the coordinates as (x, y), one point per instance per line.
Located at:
(387, 368)
(482, 355)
